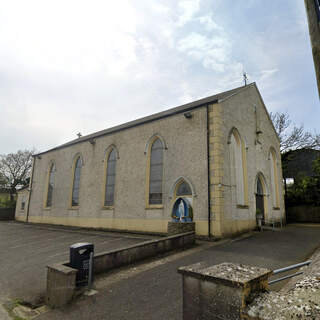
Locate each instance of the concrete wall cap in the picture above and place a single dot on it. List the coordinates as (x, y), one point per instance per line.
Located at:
(143, 244)
(234, 275)
(60, 267)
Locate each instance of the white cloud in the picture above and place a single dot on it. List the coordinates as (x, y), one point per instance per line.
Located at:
(188, 8)
(70, 66)
(209, 24)
(265, 74)
(45, 36)
(213, 51)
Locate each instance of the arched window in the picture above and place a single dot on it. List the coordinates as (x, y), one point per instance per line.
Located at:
(110, 178)
(259, 187)
(261, 196)
(156, 173)
(183, 189)
(274, 178)
(76, 182)
(50, 185)
(23, 202)
(239, 168)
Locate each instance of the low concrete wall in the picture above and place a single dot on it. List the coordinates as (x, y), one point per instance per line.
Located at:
(304, 214)
(61, 285)
(61, 278)
(180, 227)
(232, 292)
(120, 257)
(220, 292)
(7, 213)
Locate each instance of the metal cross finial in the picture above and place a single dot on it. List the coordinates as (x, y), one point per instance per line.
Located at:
(245, 78)
(79, 135)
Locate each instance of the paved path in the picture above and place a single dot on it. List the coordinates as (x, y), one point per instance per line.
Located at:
(154, 290)
(26, 250)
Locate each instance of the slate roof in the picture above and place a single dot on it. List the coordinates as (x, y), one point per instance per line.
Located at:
(156, 116)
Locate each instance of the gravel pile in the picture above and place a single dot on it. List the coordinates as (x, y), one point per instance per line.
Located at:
(301, 301)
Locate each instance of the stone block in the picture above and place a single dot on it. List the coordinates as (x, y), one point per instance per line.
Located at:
(221, 291)
(61, 285)
(180, 227)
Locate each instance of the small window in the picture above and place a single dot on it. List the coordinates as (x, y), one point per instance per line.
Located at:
(23, 202)
(183, 189)
(110, 178)
(50, 186)
(156, 173)
(76, 182)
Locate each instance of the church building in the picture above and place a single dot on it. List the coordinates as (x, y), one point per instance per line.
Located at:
(218, 156)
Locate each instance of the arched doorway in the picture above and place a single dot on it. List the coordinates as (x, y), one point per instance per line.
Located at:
(261, 192)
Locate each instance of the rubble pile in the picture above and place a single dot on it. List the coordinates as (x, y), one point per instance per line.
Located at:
(300, 300)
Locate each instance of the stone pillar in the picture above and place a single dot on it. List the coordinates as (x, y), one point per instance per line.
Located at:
(180, 227)
(61, 285)
(221, 291)
(216, 160)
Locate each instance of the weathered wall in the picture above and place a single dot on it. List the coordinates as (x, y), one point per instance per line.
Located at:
(238, 112)
(186, 156)
(61, 285)
(220, 292)
(177, 227)
(304, 214)
(106, 261)
(61, 279)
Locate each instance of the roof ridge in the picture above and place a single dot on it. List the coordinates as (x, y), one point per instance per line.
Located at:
(153, 117)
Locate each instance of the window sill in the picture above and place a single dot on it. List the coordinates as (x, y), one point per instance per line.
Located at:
(107, 207)
(156, 206)
(74, 208)
(47, 208)
(241, 206)
(276, 208)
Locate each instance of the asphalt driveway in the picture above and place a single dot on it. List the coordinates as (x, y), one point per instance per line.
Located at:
(26, 250)
(154, 290)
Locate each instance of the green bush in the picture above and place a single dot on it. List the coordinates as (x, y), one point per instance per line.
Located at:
(7, 203)
(305, 191)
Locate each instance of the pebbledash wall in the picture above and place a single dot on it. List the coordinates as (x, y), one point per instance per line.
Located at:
(246, 114)
(186, 156)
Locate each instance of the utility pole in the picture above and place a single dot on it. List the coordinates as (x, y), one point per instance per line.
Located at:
(313, 15)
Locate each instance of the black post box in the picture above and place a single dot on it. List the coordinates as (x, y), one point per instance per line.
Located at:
(79, 259)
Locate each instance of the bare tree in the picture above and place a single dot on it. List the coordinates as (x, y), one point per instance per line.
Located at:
(15, 169)
(291, 136)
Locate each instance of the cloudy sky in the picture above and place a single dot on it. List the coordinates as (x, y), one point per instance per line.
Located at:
(75, 65)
